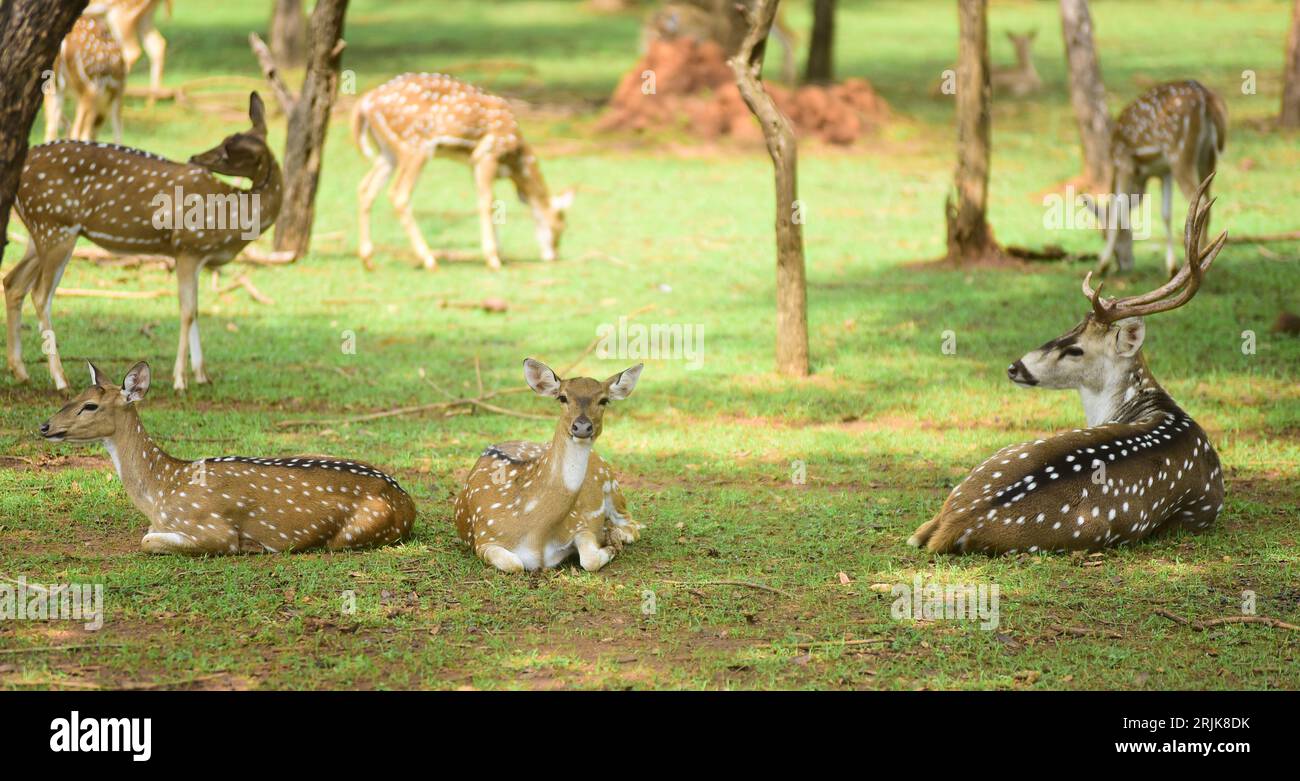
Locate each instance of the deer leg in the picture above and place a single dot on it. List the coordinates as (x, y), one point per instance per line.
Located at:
(590, 554)
(367, 191)
(501, 558)
(400, 195)
(53, 110)
(43, 299)
(485, 173)
(173, 542)
(187, 285)
(115, 110)
(81, 122)
(156, 47)
(18, 283)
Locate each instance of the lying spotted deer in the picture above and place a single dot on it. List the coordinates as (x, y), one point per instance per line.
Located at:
(1175, 131)
(528, 505)
(1021, 79)
(126, 200)
(232, 504)
(1142, 466)
(90, 67)
(400, 125)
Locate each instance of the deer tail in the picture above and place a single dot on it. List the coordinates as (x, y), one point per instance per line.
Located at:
(1218, 111)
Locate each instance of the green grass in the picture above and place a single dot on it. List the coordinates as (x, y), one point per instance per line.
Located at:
(885, 426)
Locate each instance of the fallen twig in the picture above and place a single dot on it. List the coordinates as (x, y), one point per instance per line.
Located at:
(1263, 238)
(741, 583)
(242, 281)
(74, 292)
(1201, 626)
(254, 256)
(831, 643)
(1083, 631)
(49, 648)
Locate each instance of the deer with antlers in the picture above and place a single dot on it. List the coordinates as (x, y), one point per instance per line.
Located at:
(232, 504)
(126, 200)
(1141, 467)
(529, 505)
(402, 124)
(91, 67)
(133, 21)
(1174, 131)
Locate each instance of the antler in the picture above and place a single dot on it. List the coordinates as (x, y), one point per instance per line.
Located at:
(1188, 278)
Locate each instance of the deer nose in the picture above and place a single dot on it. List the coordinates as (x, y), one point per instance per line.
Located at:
(45, 427)
(581, 428)
(1019, 374)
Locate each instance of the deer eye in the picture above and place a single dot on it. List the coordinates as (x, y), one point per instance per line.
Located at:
(562, 399)
(1072, 351)
(603, 402)
(90, 407)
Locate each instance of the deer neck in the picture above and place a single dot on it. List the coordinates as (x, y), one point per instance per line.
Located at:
(565, 466)
(268, 186)
(1127, 392)
(143, 467)
(530, 184)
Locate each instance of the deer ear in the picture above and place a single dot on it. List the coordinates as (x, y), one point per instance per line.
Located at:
(136, 383)
(540, 378)
(257, 114)
(1129, 334)
(96, 376)
(620, 385)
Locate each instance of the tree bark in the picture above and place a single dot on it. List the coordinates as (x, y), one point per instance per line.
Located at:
(821, 47)
(308, 123)
(791, 287)
(288, 35)
(1087, 92)
(30, 34)
(1290, 116)
(969, 236)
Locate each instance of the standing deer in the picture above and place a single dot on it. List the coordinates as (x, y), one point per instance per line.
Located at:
(1175, 131)
(1142, 466)
(418, 116)
(90, 66)
(528, 505)
(232, 504)
(126, 200)
(1022, 79)
(133, 21)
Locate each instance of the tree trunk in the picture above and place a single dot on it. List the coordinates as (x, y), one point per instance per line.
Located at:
(1291, 78)
(969, 235)
(308, 123)
(791, 288)
(1087, 93)
(30, 34)
(821, 64)
(288, 36)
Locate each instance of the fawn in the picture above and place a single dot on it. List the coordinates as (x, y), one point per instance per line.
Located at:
(90, 66)
(232, 504)
(528, 505)
(1141, 467)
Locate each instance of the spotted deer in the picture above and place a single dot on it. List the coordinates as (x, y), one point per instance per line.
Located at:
(402, 124)
(1174, 131)
(126, 200)
(90, 67)
(529, 505)
(1141, 467)
(133, 20)
(232, 504)
(1021, 79)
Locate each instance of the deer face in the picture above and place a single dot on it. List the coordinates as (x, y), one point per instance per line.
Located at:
(240, 154)
(1084, 358)
(550, 222)
(96, 412)
(584, 399)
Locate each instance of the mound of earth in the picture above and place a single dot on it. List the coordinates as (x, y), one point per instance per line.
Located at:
(685, 82)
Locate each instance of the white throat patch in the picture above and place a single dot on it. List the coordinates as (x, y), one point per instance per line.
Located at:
(574, 463)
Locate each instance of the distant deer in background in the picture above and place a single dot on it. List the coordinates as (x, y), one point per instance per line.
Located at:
(528, 505)
(133, 20)
(232, 504)
(90, 66)
(1141, 467)
(1022, 79)
(414, 117)
(1175, 131)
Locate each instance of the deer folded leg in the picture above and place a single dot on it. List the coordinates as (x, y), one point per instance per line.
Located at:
(501, 558)
(590, 553)
(174, 542)
(374, 521)
(620, 525)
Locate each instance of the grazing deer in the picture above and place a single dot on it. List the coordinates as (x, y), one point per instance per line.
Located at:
(126, 200)
(133, 21)
(1142, 466)
(90, 66)
(417, 116)
(528, 505)
(1022, 79)
(1175, 131)
(232, 504)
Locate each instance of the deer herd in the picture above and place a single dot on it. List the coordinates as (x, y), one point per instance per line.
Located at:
(1140, 466)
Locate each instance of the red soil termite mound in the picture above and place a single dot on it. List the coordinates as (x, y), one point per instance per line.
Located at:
(685, 82)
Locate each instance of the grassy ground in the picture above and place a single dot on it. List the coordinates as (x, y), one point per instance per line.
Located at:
(681, 233)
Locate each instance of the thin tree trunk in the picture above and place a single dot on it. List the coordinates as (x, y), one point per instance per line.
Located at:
(308, 123)
(821, 62)
(969, 235)
(1087, 92)
(30, 34)
(288, 38)
(791, 287)
(1291, 77)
